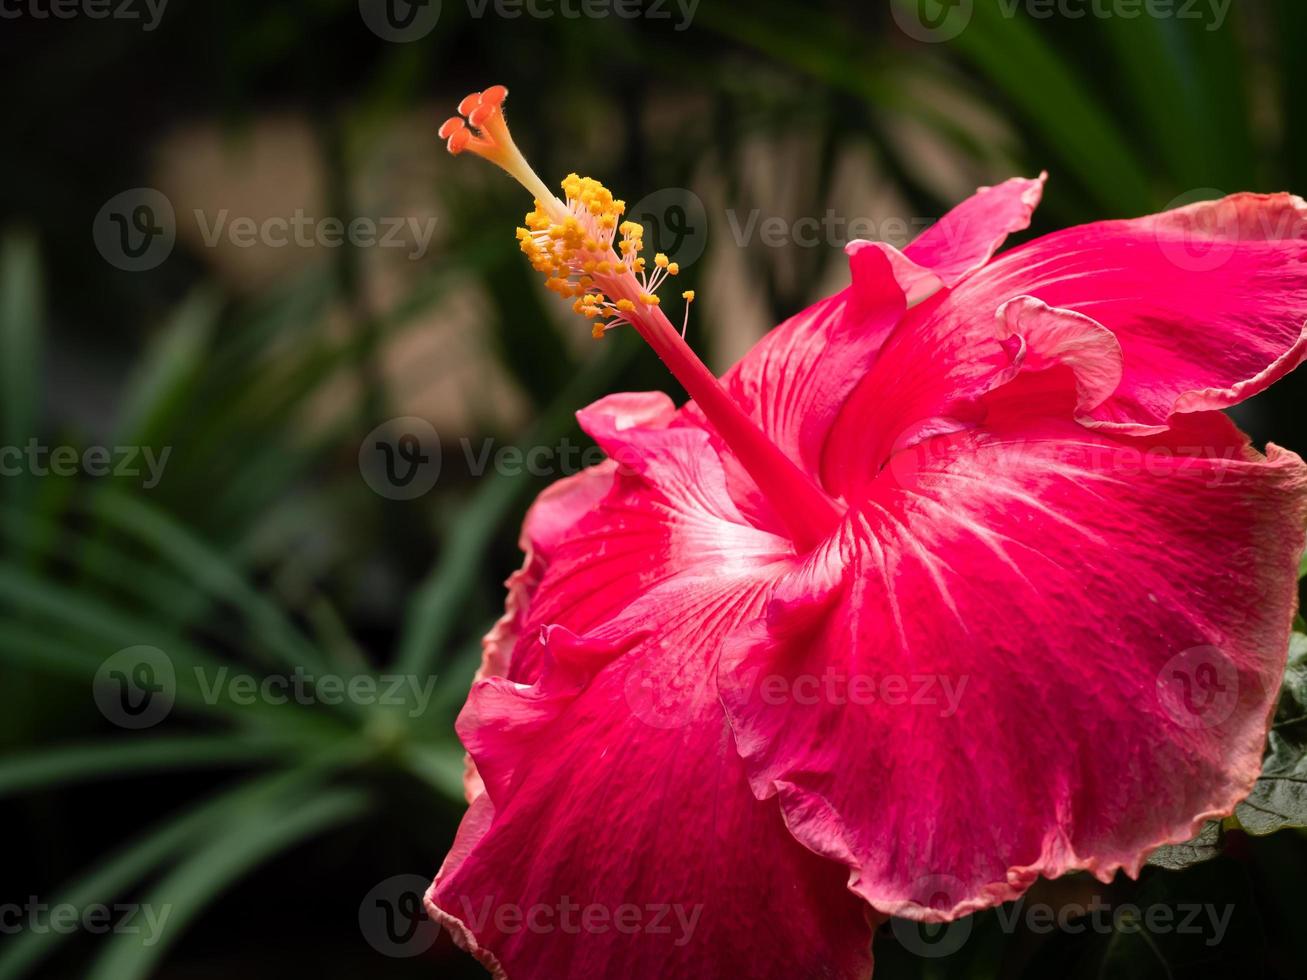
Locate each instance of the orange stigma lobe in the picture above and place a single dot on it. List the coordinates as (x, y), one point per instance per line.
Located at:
(479, 125)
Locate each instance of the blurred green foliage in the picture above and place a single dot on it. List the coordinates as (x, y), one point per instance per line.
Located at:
(262, 549)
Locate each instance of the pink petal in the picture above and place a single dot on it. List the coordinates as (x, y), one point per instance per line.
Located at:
(605, 575)
(1057, 588)
(618, 836)
(1209, 301)
(1208, 304)
(558, 509)
(555, 513)
(924, 383)
(795, 380)
(1046, 338)
(599, 539)
(665, 508)
(967, 237)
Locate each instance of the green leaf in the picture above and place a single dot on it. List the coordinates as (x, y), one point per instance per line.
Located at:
(170, 363)
(1201, 922)
(107, 631)
(21, 316)
(47, 768)
(440, 766)
(130, 864)
(440, 599)
(1061, 107)
(1204, 847)
(1279, 799)
(248, 841)
(20, 338)
(206, 567)
(50, 534)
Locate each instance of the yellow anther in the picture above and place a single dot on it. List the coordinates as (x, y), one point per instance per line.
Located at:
(674, 269)
(587, 247)
(688, 296)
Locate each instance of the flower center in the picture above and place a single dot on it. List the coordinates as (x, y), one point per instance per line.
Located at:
(588, 254)
(578, 257)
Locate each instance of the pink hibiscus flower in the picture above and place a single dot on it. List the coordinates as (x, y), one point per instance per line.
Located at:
(959, 578)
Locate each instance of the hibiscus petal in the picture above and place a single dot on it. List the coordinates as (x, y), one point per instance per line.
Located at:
(1209, 301)
(967, 237)
(1208, 304)
(618, 836)
(794, 381)
(1048, 337)
(797, 379)
(664, 509)
(1035, 648)
(553, 515)
(605, 558)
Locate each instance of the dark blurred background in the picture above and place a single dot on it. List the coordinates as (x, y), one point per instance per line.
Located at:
(268, 357)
